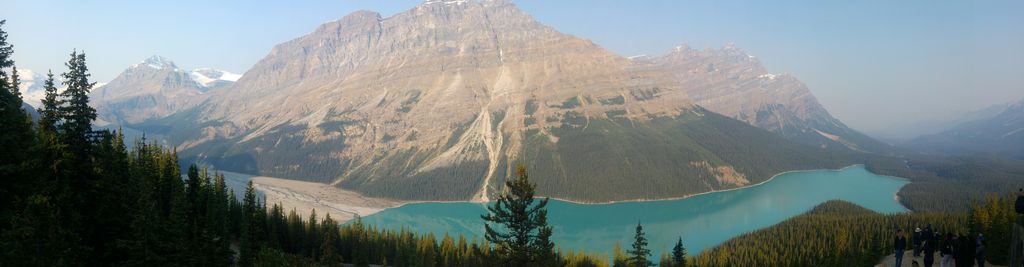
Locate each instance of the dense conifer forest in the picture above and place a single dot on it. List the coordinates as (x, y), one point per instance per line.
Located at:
(948, 184)
(839, 233)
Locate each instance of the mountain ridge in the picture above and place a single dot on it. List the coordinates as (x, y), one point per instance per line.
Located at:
(999, 135)
(154, 88)
(731, 82)
(442, 100)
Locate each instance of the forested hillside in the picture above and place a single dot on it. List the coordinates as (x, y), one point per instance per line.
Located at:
(948, 184)
(838, 233)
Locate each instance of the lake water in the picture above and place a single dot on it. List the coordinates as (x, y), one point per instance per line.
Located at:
(703, 221)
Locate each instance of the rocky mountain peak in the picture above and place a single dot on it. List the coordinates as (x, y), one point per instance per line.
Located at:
(157, 62)
(463, 2)
(729, 81)
(462, 89)
(153, 88)
(450, 2)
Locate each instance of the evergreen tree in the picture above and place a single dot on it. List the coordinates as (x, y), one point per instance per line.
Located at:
(296, 233)
(526, 241)
(313, 237)
(196, 207)
(217, 251)
(249, 243)
(15, 83)
(114, 198)
(640, 252)
(679, 254)
(234, 215)
(49, 112)
(15, 137)
(277, 228)
(6, 59)
(329, 244)
(74, 185)
(77, 114)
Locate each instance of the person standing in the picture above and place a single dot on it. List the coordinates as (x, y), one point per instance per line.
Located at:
(916, 239)
(979, 250)
(929, 252)
(1018, 205)
(900, 244)
(946, 250)
(928, 234)
(964, 251)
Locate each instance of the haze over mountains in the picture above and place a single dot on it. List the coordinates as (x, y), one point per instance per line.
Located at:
(732, 82)
(441, 101)
(908, 130)
(999, 135)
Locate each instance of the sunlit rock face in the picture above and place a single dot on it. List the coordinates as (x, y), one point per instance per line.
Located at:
(443, 100)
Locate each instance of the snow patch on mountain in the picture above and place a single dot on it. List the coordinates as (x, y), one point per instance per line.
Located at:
(157, 62)
(30, 84)
(445, 2)
(209, 78)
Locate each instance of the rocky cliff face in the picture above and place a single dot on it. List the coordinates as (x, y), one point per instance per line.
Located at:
(452, 82)
(439, 102)
(731, 82)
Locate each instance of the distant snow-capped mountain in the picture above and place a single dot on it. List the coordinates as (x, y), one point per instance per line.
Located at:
(155, 88)
(31, 86)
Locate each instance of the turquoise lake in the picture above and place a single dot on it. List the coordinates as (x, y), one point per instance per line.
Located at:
(703, 221)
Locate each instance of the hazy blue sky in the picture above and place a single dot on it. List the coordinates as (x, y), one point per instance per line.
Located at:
(871, 63)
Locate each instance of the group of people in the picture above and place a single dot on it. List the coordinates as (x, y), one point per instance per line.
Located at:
(962, 250)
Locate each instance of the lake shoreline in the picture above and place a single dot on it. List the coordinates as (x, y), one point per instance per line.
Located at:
(388, 203)
(403, 203)
(703, 222)
(703, 193)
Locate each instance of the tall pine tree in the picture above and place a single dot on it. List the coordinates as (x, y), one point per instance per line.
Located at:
(679, 254)
(249, 243)
(15, 82)
(525, 237)
(48, 112)
(15, 136)
(78, 115)
(639, 252)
